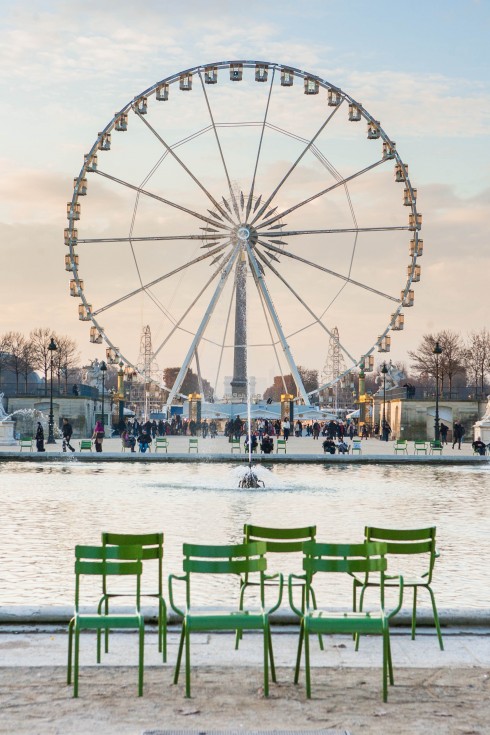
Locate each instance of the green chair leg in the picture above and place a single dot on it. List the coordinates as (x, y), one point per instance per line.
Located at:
(179, 655)
(385, 666)
(266, 659)
(75, 669)
(70, 651)
(141, 660)
(436, 619)
(298, 655)
(414, 613)
(187, 663)
(307, 663)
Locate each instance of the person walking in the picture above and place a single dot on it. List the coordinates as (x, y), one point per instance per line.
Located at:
(40, 438)
(443, 429)
(67, 430)
(458, 432)
(98, 435)
(316, 430)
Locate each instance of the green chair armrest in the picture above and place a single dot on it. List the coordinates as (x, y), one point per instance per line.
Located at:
(174, 607)
(298, 612)
(400, 599)
(281, 587)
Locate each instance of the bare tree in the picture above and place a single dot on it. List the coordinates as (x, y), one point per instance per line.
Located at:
(477, 357)
(66, 357)
(4, 355)
(16, 344)
(40, 339)
(451, 361)
(27, 361)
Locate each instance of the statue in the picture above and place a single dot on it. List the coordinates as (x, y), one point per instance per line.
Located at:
(93, 374)
(3, 413)
(486, 415)
(394, 377)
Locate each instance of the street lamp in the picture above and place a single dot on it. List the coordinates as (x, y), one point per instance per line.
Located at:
(437, 429)
(384, 432)
(52, 347)
(103, 370)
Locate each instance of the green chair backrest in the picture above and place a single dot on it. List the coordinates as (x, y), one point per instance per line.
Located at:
(151, 545)
(106, 561)
(345, 559)
(228, 559)
(406, 541)
(280, 540)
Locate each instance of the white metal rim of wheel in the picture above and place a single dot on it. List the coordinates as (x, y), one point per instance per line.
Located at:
(252, 221)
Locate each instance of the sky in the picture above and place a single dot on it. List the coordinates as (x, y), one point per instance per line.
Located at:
(421, 69)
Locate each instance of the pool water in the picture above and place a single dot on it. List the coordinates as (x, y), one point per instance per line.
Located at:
(48, 508)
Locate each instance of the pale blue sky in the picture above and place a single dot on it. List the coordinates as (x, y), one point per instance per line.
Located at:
(422, 68)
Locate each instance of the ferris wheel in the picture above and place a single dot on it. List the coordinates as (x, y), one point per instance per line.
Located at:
(242, 209)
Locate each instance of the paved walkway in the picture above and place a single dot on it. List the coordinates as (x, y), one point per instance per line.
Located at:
(304, 449)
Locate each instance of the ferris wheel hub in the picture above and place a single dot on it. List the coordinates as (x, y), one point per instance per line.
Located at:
(244, 233)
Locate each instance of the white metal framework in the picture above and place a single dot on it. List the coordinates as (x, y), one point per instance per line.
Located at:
(222, 180)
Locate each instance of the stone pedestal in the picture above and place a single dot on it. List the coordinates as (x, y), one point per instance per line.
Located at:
(7, 433)
(481, 429)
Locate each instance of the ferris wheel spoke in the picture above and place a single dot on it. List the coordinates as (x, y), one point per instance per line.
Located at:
(300, 157)
(146, 286)
(204, 323)
(230, 188)
(213, 201)
(342, 182)
(155, 196)
(249, 203)
(293, 233)
(222, 346)
(330, 272)
(277, 324)
(177, 324)
(317, 319)
(156, 238)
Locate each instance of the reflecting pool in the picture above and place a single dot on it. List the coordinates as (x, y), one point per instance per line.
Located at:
(48, 508)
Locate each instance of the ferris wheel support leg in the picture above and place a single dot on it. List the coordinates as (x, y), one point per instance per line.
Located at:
(202, 327)
(277, 324)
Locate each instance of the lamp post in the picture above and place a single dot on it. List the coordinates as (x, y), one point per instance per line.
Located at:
(437, 429)
(103, 370)
(384, 432)
(52, 347)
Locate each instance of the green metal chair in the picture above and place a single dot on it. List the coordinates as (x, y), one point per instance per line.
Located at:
(415, 542)
(104, 561)
(344, 559)
(401, 445)
(435, 446)
(356, 446)
(151, 545)
(235, 446)
(219, 560)
(278, 541)
(281, 446)
(193, 444)
(85, 445)
(161, 442)
(420, 447)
